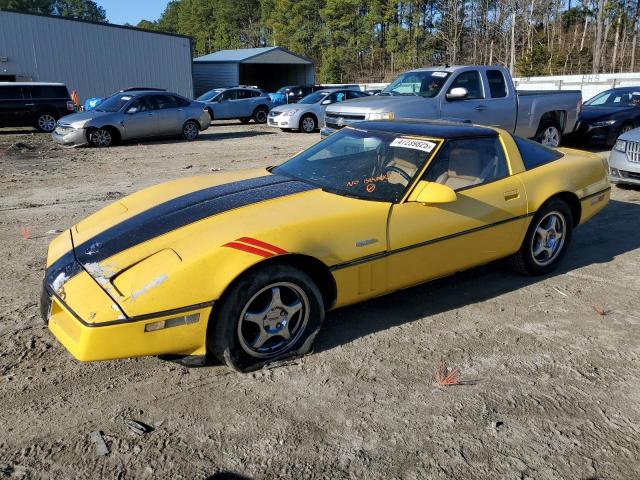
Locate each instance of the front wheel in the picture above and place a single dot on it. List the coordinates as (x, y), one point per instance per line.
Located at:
(272, 314)
(101, 138)
(546, 241)
(260, 115)
(308, 124)
(549, 134)
(190, 131)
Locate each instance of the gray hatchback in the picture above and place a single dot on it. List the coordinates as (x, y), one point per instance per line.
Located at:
(134, 115)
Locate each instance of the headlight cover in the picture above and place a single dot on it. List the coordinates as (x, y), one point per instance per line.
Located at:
(288, 113)
(380, 116)
(603, 123)
(620, 146)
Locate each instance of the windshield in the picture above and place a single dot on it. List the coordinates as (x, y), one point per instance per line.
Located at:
(205, 97)
(114, 103)
(425, 84)
(616, 98)
(314, 97)
(355, 163)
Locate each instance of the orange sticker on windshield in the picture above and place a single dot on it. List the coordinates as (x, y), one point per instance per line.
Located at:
(371, 187)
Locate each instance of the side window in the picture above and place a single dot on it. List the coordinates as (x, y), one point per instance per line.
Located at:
(229, 95)
(49, 91)
(355, 94)
(181, 102)
(244, 94)
(10, 93)
(533, 154)
(467, 163)
(497, 84)
(145, 104)
(471, 81)
(166, 101)
(255, 93)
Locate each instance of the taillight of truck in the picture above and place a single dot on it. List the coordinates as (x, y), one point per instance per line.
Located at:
(579, 105)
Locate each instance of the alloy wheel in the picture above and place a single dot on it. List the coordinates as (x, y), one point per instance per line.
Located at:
(273, 320)
(308, 124)
(46, 123)
(261, 116)
(190, 131)
(101, 138)
(551, 137)
(549, 238)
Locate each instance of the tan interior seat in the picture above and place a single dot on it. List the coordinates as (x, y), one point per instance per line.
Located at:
(405, 160)
(465, 169)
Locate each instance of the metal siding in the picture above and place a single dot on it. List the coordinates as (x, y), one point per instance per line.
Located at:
(277, 56)
(94, 60)
(214, 75)
(311, 75)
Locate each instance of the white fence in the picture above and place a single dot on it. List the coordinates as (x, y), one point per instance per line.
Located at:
(590, 85)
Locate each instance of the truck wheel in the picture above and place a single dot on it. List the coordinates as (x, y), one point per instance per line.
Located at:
(46, 122)
(269, 315)
(546, 241)
(549, 134)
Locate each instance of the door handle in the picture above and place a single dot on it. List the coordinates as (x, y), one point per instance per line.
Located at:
(481, 108)
(511, 195)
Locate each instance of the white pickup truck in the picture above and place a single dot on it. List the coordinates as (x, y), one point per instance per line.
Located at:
(476, 94)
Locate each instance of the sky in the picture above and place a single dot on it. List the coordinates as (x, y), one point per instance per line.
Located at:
(132, 11)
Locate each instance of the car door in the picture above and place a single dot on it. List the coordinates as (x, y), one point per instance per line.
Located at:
(223, 107)
(500, 101)
(140, 118)
(472, 108)
(485, 222)
(13, 106)
(170, 114)
(244, 103)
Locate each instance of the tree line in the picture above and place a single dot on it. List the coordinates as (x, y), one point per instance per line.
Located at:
(374, 40)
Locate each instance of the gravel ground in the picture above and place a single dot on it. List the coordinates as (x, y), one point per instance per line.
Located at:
(550, 366)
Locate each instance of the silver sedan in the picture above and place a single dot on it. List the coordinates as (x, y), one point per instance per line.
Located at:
(308, 114)
(624, 159)
(133, 115)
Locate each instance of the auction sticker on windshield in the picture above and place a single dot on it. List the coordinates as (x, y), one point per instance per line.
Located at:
(439, 74)
(423, 145)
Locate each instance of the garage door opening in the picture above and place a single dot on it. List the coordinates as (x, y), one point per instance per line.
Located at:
(271, 77)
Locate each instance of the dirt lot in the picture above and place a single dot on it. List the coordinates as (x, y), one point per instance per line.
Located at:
(552, 364)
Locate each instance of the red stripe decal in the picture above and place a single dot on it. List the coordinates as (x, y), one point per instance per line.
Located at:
(249, 249)
(258, 243)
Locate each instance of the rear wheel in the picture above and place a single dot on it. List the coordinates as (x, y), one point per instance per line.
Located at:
(101, 138)
(546, 241)
(190, 131)
(260, 115)
(308, 124)
(46, 122)
(269, 315)
(549, 134)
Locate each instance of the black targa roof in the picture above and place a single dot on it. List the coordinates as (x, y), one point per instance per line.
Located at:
(427, 128)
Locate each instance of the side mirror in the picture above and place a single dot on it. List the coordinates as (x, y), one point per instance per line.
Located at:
(457, 93)
(431, 192)
(326, 102)
(132, 110)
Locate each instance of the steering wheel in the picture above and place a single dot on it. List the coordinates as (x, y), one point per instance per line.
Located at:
(399, 171)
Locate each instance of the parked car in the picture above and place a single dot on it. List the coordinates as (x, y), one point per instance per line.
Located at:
(295, 93)
(134, 115)
(308, 114)
(624, 159)
(475, 94)
(608, 115)
(243, 265)
(33, 104)
(243, 103)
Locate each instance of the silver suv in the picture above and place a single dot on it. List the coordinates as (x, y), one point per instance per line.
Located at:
(243, 103)
(134, 115)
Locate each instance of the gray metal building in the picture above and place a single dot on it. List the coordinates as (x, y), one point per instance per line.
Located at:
(269, 68)
(92, 58)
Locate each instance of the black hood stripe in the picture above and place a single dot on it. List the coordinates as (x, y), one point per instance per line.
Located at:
(174, 214)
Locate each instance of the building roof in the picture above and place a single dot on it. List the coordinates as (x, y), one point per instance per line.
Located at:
(254, 55)
(427, 128)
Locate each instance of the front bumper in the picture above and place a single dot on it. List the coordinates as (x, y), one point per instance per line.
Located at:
(606, 135)
(283, 121)
(622, 170)
(74, 137)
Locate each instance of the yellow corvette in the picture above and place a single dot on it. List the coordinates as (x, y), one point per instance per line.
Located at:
(243, 266)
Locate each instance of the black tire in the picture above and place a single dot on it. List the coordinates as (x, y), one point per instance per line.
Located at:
(229, 330)
(525, 261)
(101, 138)
(260, 115)
(46, 121)
(245, 120)
(308, 124)
(549, 134)
(190, 130)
